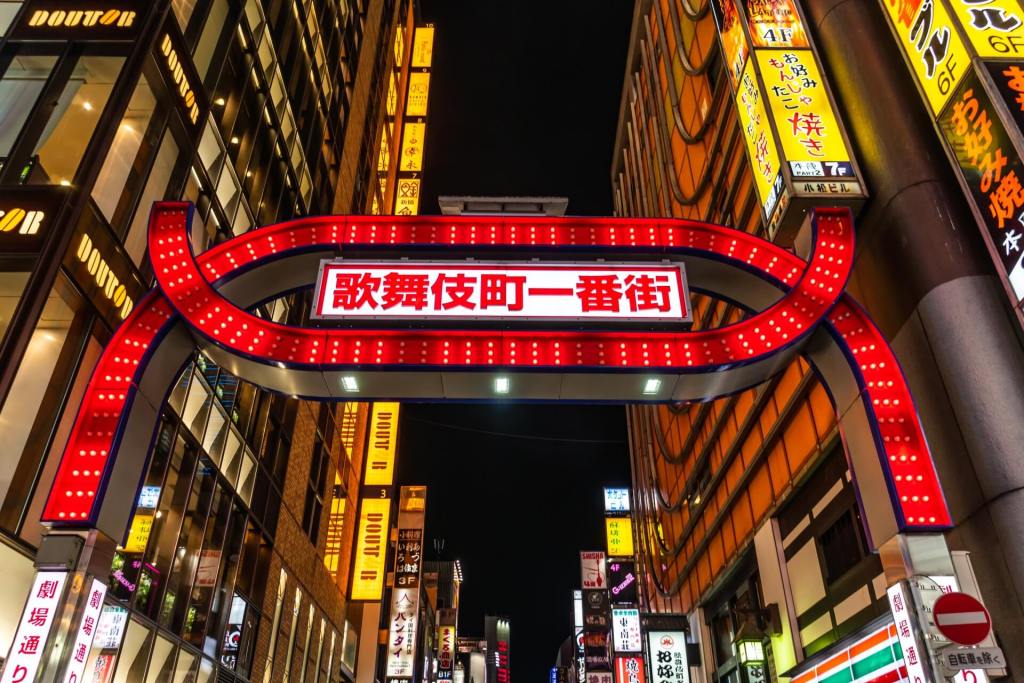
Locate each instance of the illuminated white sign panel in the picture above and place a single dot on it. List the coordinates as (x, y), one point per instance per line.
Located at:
(86, 632)
(668, 657)
(626, 630)
(402, 634)
(592, 570)
(616, 500)
(502, 291)
(902, 615)
(30, 641)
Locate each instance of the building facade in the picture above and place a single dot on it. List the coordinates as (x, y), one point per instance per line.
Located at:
(747, 504)
(237, 563)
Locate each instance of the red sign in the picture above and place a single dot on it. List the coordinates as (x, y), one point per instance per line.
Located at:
(502, 291)
(629, 670)
(962, 618)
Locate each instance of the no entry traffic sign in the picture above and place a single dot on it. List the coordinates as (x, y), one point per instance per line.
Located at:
(962, 618)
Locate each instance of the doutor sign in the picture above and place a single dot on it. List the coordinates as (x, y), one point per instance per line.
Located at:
(962, 618)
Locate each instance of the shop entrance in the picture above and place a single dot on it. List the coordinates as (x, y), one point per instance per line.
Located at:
(795, 305)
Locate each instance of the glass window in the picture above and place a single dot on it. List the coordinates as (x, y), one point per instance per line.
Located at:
(162, 661)
(113, 189)
(155, 189)
(185, 667)
(183, 12)
(275, 626)
(36, 394)
(77, 111)
(131, 664)
(210, 38)
(19, 90)
(12, 285)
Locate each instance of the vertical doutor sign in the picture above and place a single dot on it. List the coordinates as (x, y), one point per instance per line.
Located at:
(32, 639)
(375, 503)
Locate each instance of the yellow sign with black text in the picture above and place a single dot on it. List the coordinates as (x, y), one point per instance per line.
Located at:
(994, 27)
(932, 45)
(423, 47)
(619, 532)
(419, 91)
(764, 156)
(412, 146)
(380, 452)
(138, 535)
(371, 549)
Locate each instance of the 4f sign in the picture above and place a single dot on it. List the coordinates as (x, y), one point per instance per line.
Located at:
(638, 293)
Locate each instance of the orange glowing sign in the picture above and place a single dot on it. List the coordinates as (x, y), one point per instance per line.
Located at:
(775, 23)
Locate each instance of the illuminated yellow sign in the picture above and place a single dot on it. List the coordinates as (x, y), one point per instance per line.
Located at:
(380, 453)
(138, 536)
(808, 128)
(734, 41)
(371, 549)
(764, 156)
(110, 287)
(179, 78)
(412, 146)
(995, 27)
(423, 46)
(27, 222)
(419, 89)
(932, 45)
(82, 17)
(619, 532)
(407, 203)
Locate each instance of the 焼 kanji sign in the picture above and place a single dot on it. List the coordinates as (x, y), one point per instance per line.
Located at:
(502, 291)
(962, 618)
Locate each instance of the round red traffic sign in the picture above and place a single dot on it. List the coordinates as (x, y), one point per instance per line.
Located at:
(962, 618)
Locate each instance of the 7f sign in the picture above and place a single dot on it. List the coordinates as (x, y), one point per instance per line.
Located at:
(502, 292)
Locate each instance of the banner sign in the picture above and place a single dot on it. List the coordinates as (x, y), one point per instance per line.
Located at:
(445, 652)
(626, 630)
(401, 653)
(616, 500)
(32, 637)
(380, 452)
(619, 534)
(992, 171)
(595, 648)
(408, 556)
(371, 549)
(629, 670)
(86, 632)
(502, 291)
(80, 21)
(668, 657)
(622, 581)
(595, 610)
(592, 571)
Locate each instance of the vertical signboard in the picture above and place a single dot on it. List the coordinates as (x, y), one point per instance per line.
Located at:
(410, 158)
(577, 622)
(86, 632)
(445, 652)
(401, 648)
(616, 500)
(667, 651)
(619, 534)
(622, 582)
(367, 580)
(31, 640)
(629, 670)
(592, 571)
(626, 630)
(405, 596)
(795, 140)
(497, 634)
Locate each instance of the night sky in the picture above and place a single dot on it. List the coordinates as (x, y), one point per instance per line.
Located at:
(524, 101)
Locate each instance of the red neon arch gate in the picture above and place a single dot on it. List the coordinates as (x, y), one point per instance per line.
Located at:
(801, 307)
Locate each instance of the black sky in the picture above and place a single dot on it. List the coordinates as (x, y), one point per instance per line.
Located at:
(524, 100)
